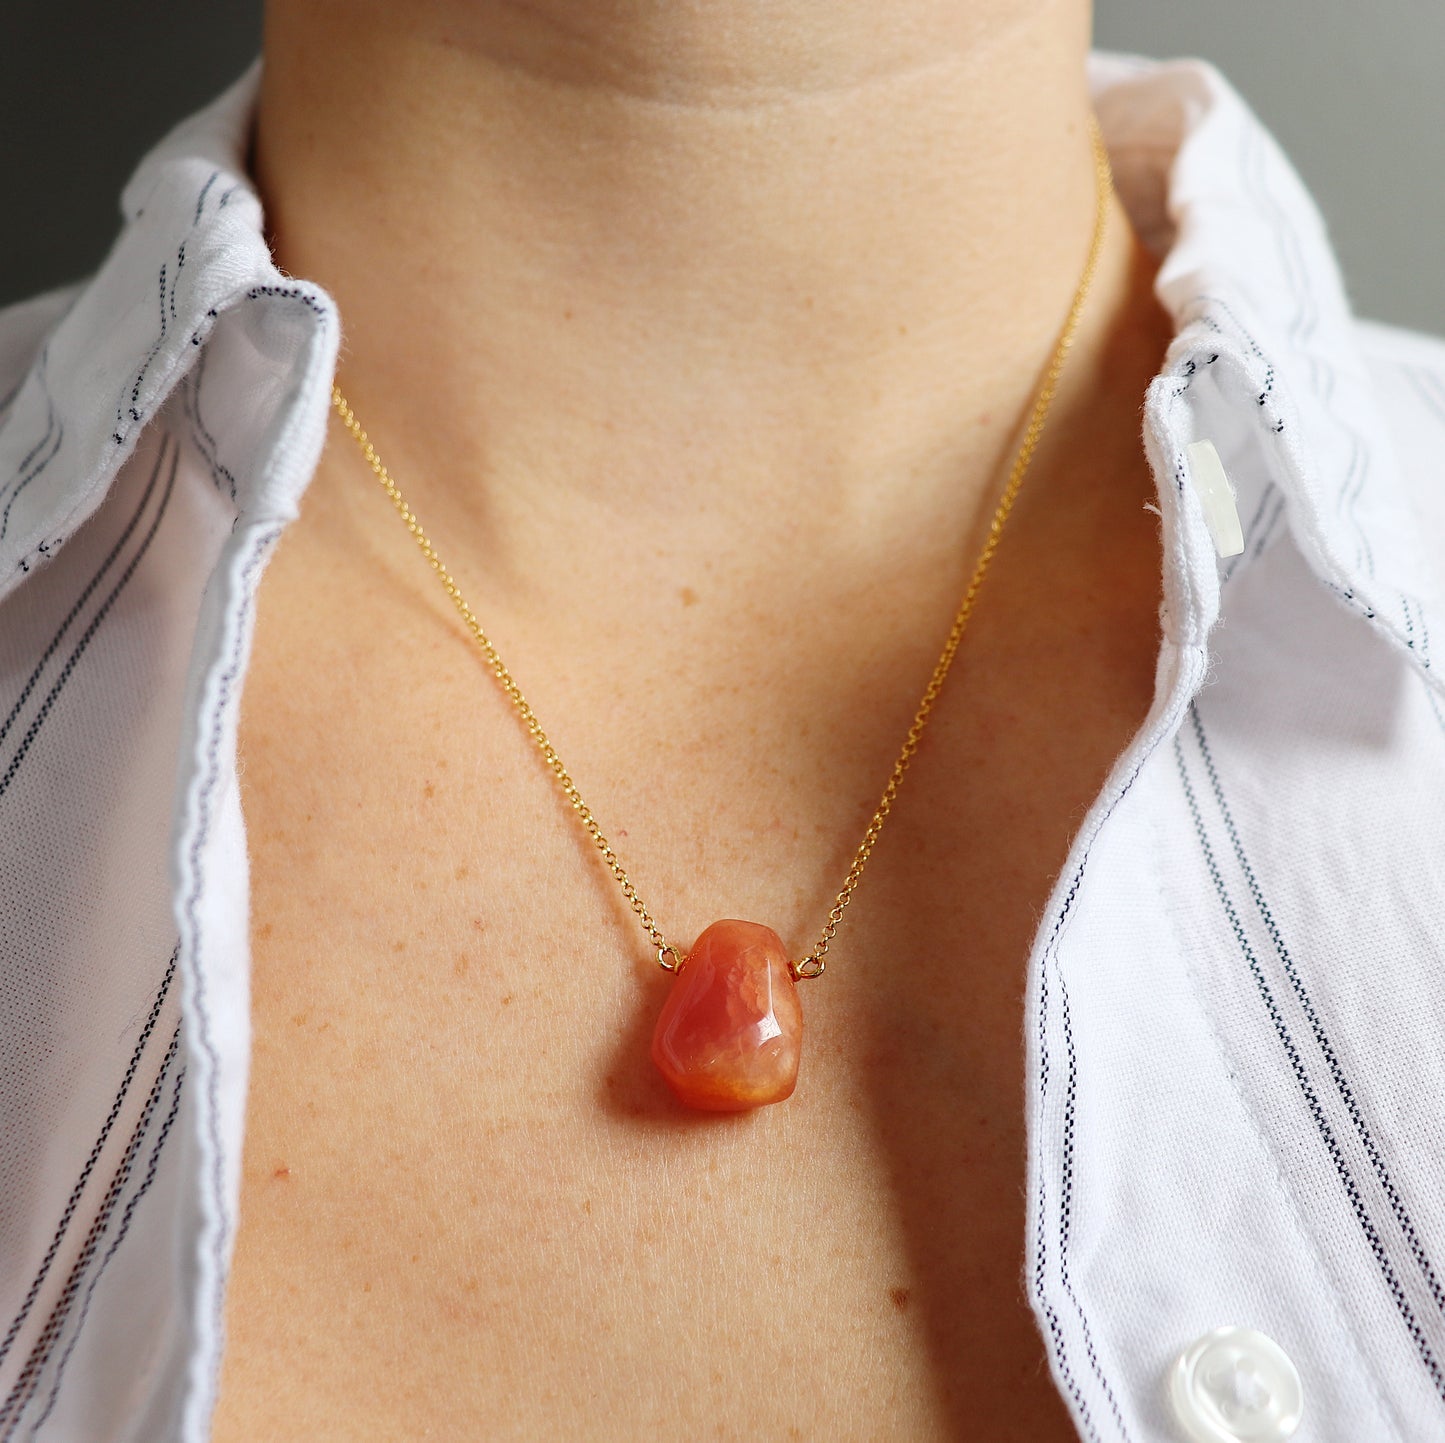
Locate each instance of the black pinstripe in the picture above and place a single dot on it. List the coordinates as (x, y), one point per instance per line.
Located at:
(40, 455)
(73, 1201)
(27, 740)
(1312, 1102)
(26, 1383)
(1342, 1084)
(85, 595)
(127, 1214)
(1050, 955)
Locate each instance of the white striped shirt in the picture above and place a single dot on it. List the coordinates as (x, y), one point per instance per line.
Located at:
(1236, 1000)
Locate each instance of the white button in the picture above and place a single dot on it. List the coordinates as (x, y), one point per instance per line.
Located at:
(1236, 1386)
(1216, 495)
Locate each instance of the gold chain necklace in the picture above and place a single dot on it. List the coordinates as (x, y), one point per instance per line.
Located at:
(730, 1033)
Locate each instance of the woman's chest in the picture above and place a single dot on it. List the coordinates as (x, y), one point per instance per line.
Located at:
(469, 1202)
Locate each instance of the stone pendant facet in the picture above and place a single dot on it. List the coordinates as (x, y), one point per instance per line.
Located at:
(731, 1029)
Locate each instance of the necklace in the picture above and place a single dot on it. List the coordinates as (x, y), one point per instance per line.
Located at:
(729, 1035)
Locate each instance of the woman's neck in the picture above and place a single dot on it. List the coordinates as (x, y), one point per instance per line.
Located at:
(689, 253)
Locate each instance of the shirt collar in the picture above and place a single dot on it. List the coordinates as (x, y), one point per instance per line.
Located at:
(1265, 360)
(190, 263)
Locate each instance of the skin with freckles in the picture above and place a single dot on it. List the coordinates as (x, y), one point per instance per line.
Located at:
(700, 336)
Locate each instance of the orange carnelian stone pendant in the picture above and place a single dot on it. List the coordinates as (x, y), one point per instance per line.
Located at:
(732, 1027)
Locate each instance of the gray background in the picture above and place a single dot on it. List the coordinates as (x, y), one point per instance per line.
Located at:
(1352, 90)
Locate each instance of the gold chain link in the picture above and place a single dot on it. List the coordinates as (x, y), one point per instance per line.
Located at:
(669, 956)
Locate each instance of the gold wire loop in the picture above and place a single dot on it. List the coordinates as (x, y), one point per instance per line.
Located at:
(668, 956)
